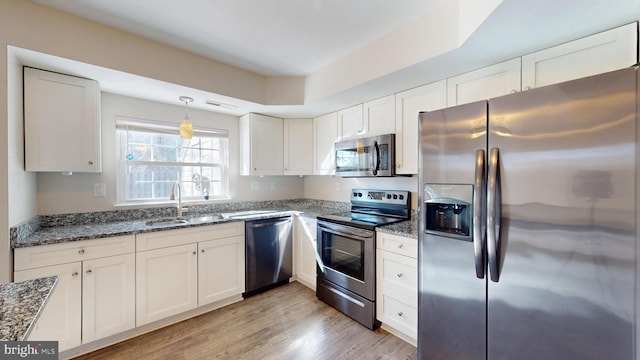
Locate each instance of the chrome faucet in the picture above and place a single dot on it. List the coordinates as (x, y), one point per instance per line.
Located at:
(176, 185)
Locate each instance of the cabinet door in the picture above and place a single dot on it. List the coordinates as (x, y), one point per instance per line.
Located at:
(380, 116)
(492, 81)
(305, 252)
(408, 105)
(108, 296)
(220, 269)
(61, 317)
(607, 51)
(166, 282)
(261, 148)
(298, 146)
(62, 122)
(325, 134)
(351, 122)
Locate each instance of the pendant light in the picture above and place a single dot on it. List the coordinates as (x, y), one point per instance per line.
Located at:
(186, 126)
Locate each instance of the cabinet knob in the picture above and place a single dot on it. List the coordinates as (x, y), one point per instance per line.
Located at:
(400, 313)
(89, 271)
(90, 162)
(202, 250)
(75, 273)
(400, 246)
(514, 91)
(194, 253)
(81, 251)
(399, 275)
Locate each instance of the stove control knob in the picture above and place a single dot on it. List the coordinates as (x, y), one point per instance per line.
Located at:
(401, 197)
(388, 196)
(395, 196)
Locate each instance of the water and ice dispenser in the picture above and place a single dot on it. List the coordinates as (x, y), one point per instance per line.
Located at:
(448, 210)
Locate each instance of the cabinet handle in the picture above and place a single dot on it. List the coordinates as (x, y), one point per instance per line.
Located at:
(89, 271)
(527, 87)
(399, 275)
(400, 246)
(202, 250)
(194, 253)
(400, 313)
(75, 273)
(90, 162)
(81, 251)
(514, 91)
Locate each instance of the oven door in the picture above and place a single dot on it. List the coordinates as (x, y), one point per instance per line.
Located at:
(348, 257)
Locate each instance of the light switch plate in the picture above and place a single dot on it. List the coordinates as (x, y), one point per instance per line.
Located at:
(99, 190)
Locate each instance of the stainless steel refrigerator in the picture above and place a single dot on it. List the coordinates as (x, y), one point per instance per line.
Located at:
(527, 246)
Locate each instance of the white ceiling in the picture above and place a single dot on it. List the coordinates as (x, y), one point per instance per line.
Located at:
(301, 37)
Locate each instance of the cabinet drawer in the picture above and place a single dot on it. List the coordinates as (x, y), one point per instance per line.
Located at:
(399, 275)
(46, 255)
(162, 239)
(397, 244)
(398, 314)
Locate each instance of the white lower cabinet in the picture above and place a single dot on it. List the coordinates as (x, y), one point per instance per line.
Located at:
(397, 285)
(94, 296)
(179, 270)
(61, 318)
(220, 269)
(305, 252)
(166, 282)
(108, 290)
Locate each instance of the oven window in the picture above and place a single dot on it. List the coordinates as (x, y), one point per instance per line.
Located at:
(343, 254)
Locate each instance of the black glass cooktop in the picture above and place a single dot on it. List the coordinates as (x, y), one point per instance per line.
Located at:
(364, 221)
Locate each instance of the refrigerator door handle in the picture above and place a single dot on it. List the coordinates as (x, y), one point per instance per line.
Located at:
(494, 200)
(478, 215)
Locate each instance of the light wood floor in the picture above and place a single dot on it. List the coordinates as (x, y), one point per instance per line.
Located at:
(288, 322)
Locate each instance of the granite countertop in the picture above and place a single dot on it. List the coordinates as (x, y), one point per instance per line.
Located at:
(86, 226)
(408, 228)
(21, 304)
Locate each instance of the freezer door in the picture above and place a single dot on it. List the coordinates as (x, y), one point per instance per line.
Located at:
(566, 245)
(451, 297)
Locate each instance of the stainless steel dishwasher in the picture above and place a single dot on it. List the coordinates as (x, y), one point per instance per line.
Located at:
(268, 259)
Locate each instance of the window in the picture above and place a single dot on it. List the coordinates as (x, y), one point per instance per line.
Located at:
(152, 157)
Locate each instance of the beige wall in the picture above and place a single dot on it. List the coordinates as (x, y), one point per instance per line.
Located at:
(24, 24)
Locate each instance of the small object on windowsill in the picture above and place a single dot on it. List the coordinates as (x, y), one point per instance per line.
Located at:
(206, 194)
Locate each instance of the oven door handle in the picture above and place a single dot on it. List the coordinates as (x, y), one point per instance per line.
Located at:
(346, 231)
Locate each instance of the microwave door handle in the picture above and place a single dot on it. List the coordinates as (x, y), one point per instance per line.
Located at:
(375, 158)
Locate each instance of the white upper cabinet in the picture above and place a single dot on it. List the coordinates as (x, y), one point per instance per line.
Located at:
(62, 122)
(351, 122)
(298, 146)
(325, 134)
(492, 81)
(379, 116)
(599, 53)
(408, 105)
(261, 145)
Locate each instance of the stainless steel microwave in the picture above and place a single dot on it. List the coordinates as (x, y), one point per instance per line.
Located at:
(371, 156)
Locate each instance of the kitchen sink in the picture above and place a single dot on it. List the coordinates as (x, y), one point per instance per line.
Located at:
(175, 221)
(244, 214)
(166, 222)
(204, 219)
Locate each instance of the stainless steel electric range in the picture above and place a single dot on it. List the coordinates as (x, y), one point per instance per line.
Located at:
(346, 275)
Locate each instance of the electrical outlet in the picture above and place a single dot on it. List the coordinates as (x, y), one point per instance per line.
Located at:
(99, 190)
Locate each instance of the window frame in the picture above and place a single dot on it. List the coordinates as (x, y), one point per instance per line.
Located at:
(125, 124)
